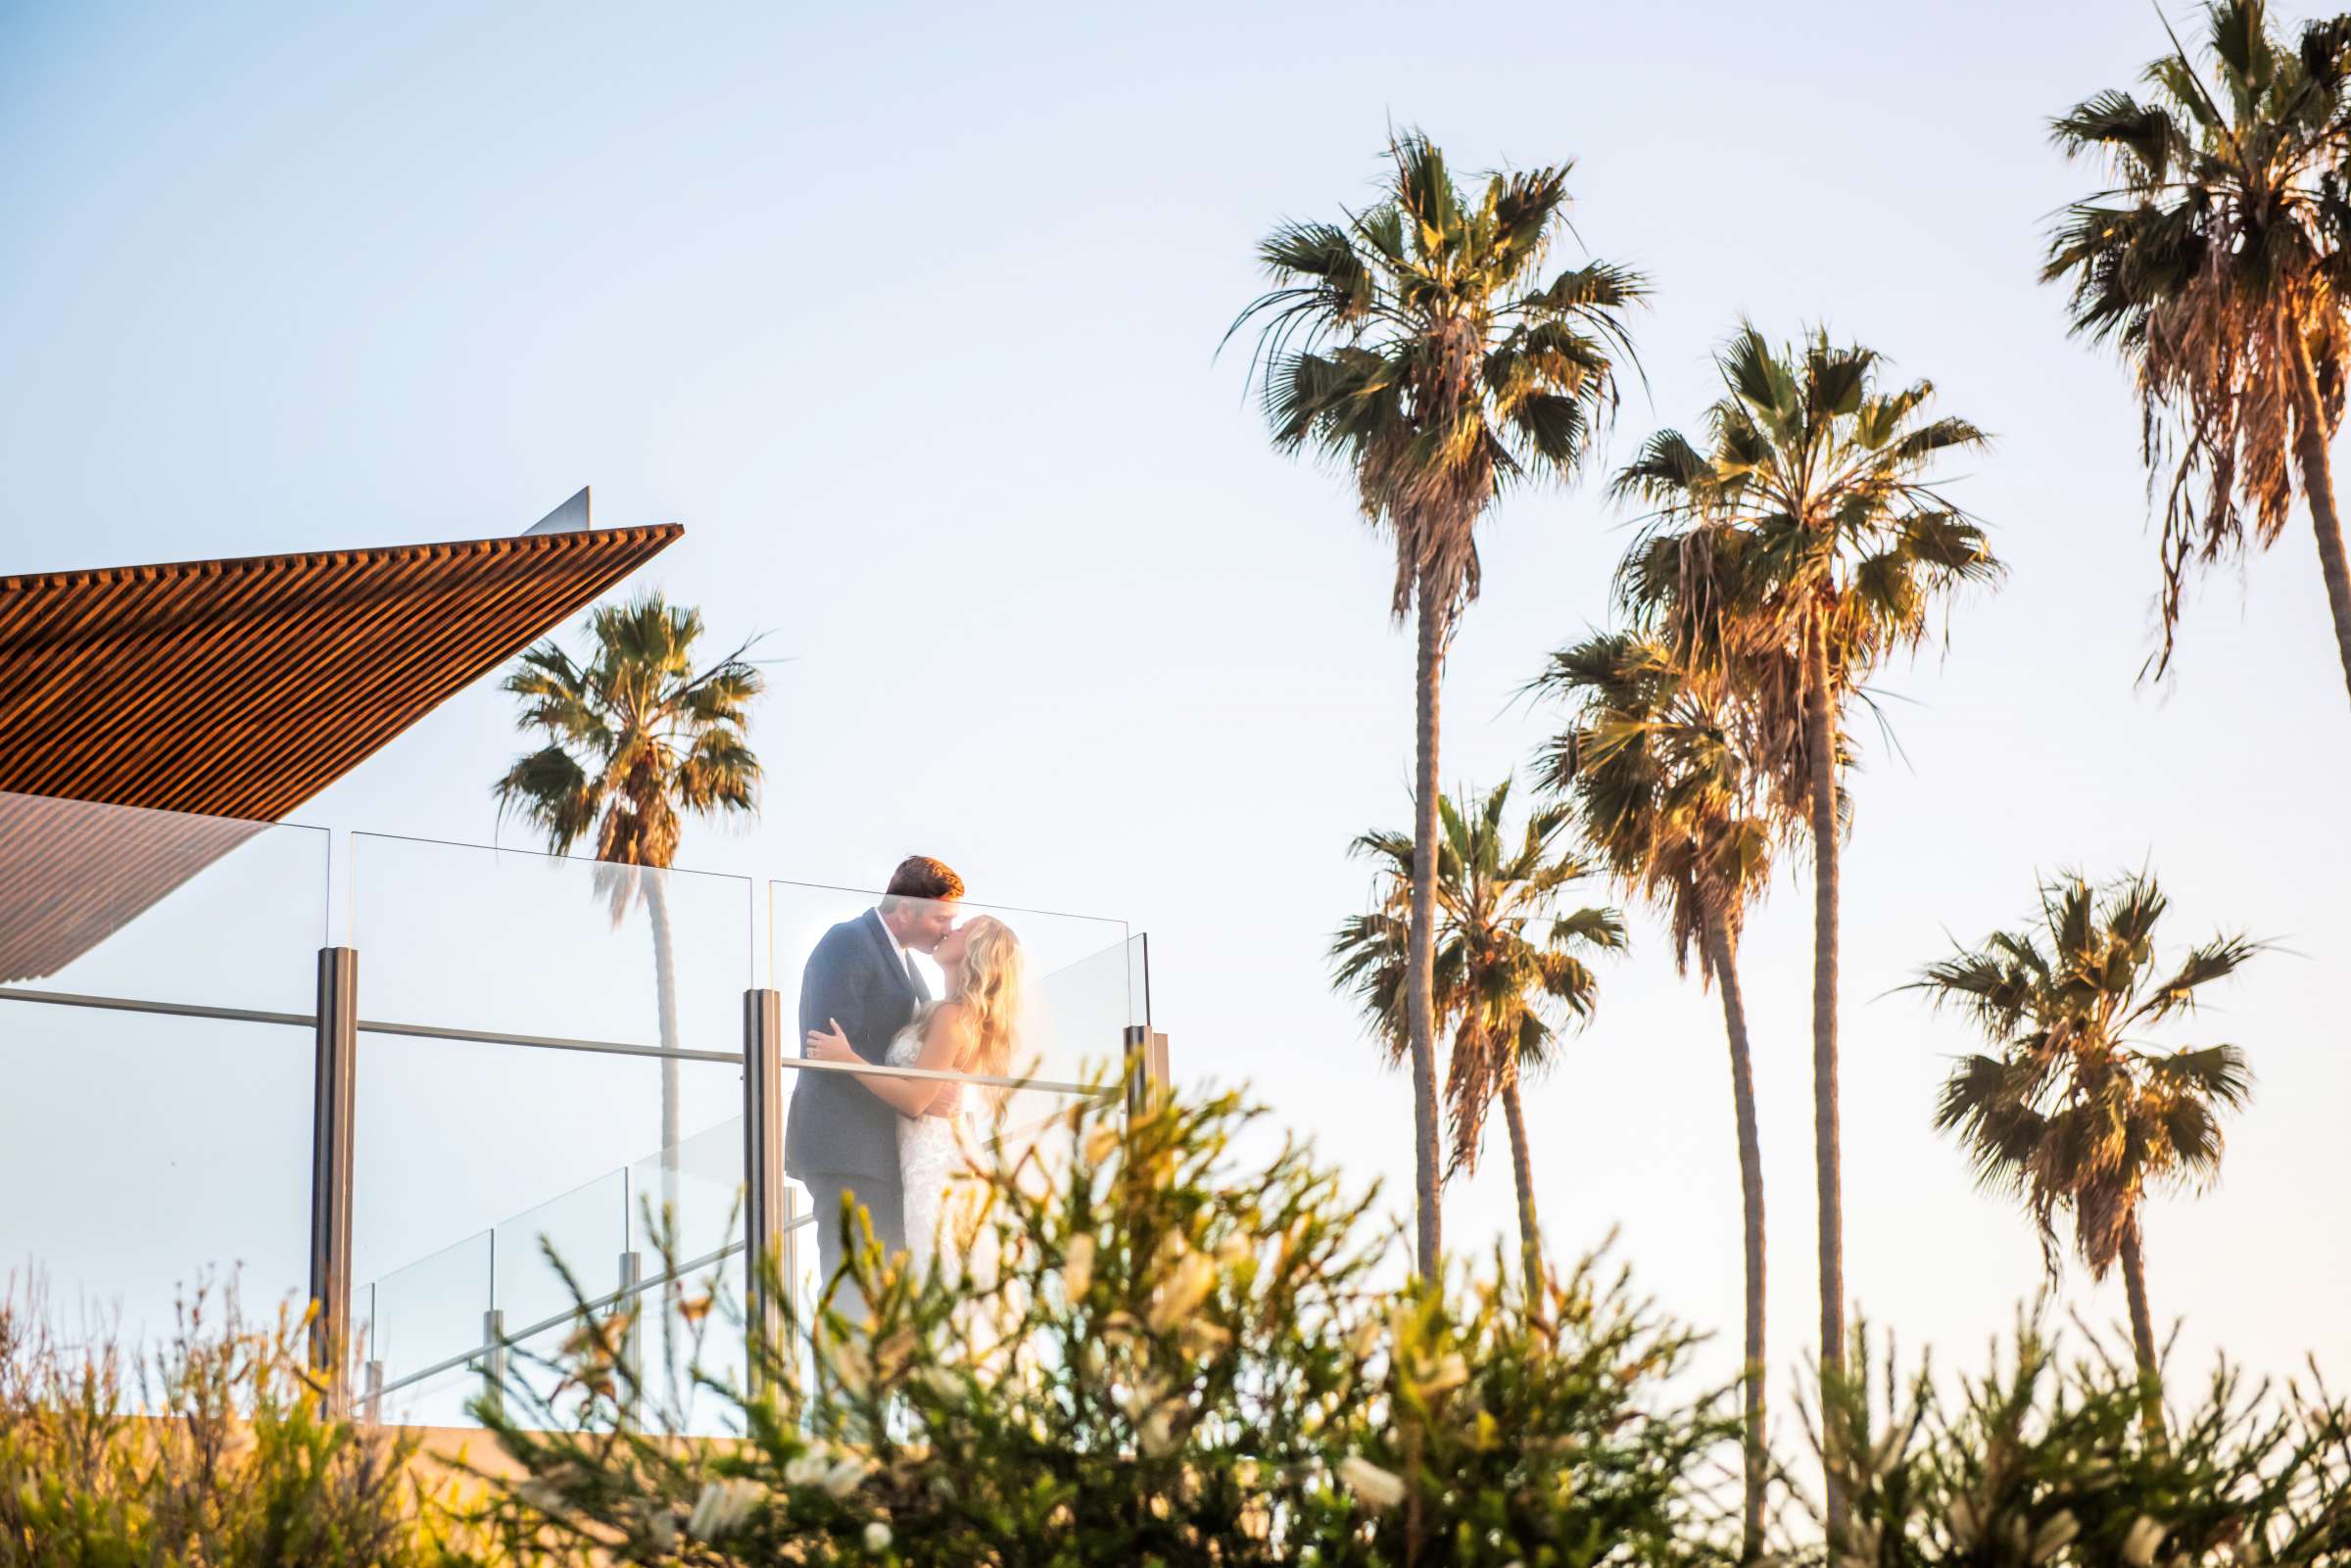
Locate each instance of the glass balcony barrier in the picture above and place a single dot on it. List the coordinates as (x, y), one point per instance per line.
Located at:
(527, 1028)
(158, 975)
(666, 1234)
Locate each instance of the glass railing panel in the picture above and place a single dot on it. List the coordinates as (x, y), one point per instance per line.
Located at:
(485, 940)
(424, 1317)
(693, 1209)
(584, 1233)
(143, 1154)
(1065, 1017)
(184, 1128)
(694, 1203)
(159, 906)
(1074, 1009)
(457, 1138)
(513, 1007)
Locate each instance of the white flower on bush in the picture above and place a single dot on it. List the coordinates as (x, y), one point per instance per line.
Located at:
(1381, 1489)
(807, 1469)
(877, 1538)
(661, 1528)
(723, 1508)
(2138, 1546)
(844, 1478)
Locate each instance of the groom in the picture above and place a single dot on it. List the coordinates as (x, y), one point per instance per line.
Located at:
(840, 1136)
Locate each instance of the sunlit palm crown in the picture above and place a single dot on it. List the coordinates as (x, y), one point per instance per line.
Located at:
(2075, 1113)
(1506, 949)
(2220, 248)
(635, 735)
(1418, 342)
(1650, 766)
(1808, 513)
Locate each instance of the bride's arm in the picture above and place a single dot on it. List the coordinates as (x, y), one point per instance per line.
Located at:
(908, 1096)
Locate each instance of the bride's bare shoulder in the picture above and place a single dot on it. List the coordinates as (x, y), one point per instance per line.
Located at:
(945, 1015)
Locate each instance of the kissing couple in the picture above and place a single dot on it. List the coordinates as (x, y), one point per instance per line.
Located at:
(897, 1145)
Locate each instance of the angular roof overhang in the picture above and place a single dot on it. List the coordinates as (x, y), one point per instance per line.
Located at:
(239, 689)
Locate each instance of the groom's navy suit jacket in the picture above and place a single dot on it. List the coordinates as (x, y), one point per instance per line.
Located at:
(837, 1127)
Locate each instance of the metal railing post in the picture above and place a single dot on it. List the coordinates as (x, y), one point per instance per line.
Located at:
(1146, 1066)
(1146, 1052)
(335, 1067)
(493, 1363)
(630, 1385)
(767, 1198)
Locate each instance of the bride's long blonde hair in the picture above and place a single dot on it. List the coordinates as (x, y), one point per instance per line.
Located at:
(991, 982)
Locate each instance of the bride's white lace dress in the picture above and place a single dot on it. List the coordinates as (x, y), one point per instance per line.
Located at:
(931, 1160)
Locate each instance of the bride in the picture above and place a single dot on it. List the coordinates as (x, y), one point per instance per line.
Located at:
(973, 1030)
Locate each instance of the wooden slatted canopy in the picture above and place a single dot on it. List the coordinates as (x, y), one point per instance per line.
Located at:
(236, 690)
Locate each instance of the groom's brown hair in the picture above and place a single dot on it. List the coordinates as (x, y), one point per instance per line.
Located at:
(921, 877)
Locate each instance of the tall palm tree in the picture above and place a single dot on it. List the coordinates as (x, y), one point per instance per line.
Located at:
(2216, 264)
(635, 737)
(2075, 1114)
(1786, 561)
(1417, 342)
(1507, 962)
(1650, 766)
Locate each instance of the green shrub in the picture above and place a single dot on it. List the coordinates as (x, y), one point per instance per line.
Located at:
(1155, 1358)
(225, 1460)
(2044, 1463)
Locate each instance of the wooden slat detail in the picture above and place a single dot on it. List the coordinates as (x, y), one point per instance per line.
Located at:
(236, 690)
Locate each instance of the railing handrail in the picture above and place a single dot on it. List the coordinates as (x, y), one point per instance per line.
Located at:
(547, 1042)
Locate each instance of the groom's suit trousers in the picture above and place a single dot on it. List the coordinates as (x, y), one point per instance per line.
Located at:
(885, 1206)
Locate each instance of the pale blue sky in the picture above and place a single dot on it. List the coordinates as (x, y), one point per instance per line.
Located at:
(909, 319)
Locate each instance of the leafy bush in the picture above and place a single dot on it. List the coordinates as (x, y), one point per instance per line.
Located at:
(226, 1460)
(1154, 1357)
(2044, 1463)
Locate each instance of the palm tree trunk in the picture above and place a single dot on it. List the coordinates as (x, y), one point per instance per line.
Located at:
(2317, 487)
(1725, 963)
(2135, 1287)
(1419, 964)
(665, 1006)
(1820, 745)
(1522, 1171)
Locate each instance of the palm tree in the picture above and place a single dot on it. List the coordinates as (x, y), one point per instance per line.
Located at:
(2216, 264)
(1785, 562)
(2074, 1113)
(1649, 765)
(635, 736)
(1506, 954)
(1416, 343)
